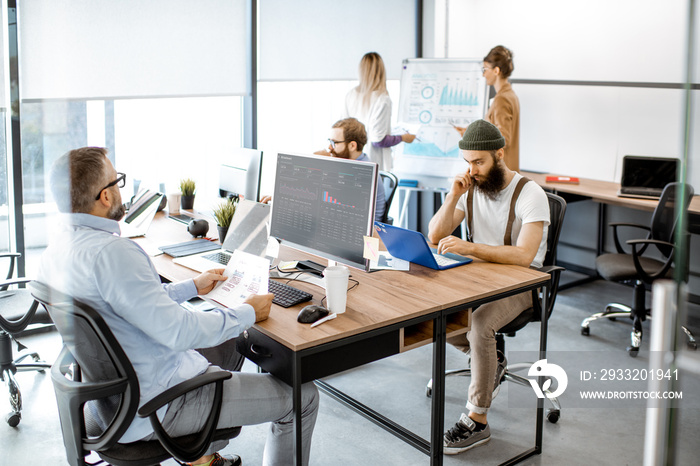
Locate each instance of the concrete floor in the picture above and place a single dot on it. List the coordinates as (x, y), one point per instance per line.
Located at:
(588, 431)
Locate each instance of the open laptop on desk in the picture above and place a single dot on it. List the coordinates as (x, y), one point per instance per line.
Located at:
(248, 232)
(645, 177)
(140, 214)
(412, 246)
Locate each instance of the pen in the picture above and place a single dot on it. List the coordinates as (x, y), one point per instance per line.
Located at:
(416, 137)
(325, 319)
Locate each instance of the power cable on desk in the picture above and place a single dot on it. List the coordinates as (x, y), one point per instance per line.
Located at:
(300, 272)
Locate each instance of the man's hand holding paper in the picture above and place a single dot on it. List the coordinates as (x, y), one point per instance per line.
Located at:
(245, 281)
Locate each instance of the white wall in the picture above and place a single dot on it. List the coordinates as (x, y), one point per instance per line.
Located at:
(583, 130)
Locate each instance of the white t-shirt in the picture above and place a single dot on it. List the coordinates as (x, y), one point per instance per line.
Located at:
(490, 217)
(377, 121)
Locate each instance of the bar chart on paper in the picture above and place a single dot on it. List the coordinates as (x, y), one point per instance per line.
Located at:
(441, 92)
(436, 96)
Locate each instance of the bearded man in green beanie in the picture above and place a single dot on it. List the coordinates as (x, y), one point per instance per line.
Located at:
(497, 232)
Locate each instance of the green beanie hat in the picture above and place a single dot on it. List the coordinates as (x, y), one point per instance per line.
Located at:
(482, 135)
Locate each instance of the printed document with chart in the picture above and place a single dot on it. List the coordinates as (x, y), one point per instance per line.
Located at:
(437, 95)
(246, 274)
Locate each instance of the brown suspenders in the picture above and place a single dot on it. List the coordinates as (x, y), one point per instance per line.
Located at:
(511, 213)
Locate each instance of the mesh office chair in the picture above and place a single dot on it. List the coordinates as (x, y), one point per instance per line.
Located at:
(98, 393)
(390, 183)
(557, 209)
(18, 313)
(641, 270)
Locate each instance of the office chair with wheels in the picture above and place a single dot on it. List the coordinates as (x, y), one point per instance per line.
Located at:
(641, 270)
(557, 209)
(98, 393)
(18, 312)
(390, 183)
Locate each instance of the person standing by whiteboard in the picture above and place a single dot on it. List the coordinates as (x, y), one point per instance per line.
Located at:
(504, 111)
(370, 103)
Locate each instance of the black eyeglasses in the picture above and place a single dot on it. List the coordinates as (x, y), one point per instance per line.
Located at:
(333, 143)
(120, 182)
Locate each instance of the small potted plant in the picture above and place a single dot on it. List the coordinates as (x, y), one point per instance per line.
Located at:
(187, 188)
(223, 213)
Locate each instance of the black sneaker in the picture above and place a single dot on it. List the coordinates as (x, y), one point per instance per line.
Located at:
(462, 436)
(500, 372)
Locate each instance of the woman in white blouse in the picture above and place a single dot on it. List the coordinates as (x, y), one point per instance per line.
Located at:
(369, 102)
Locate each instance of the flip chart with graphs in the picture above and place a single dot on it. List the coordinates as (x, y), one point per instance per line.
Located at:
(437, 95)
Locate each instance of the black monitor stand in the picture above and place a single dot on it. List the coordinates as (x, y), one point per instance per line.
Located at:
(311, 267)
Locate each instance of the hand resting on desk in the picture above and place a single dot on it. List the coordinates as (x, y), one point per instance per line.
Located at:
(206, 281)
(261, 304)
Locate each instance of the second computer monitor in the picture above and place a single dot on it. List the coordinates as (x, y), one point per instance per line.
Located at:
(240, 174)
(324, 206)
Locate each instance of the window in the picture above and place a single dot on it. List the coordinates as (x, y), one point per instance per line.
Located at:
(153, 141)
(297, 117)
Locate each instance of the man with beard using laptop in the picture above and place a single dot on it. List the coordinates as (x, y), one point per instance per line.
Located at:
(500, 231)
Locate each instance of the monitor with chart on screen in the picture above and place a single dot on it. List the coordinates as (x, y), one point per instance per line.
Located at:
(324, 206)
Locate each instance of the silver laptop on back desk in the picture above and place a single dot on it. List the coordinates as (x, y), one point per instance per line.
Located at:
(248, 232)
(645, 177)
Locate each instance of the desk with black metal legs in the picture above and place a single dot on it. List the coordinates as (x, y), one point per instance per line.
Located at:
(605, 193)
(387, 313)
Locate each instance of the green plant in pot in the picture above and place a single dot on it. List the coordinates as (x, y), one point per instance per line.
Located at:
(223, 213)
(187, 189)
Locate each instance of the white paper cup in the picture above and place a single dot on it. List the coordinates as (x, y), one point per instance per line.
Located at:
(174, 203)
(336, 281)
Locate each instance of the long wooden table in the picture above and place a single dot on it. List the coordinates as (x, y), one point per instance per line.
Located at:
(387, 313)
(604, 192)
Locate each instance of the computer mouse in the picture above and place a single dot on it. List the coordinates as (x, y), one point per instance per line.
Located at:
(312, 313)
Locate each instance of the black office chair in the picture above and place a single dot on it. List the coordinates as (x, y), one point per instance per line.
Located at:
(93, 375)
(18, 313)
(641, 270)
(390, 183)
(557, 209)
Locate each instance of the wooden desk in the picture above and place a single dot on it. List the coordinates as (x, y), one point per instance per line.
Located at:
(387, 313)
(604, 192)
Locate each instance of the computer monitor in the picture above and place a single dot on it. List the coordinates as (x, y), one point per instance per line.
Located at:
(240, 174)
(324, 206)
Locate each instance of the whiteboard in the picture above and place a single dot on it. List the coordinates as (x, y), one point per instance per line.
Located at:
(436, 95)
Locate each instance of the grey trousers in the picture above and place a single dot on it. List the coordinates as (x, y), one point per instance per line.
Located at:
(248, 399)
(487, 319)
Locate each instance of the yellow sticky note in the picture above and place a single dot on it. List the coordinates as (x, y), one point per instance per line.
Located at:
(287, 266)
(371, 251)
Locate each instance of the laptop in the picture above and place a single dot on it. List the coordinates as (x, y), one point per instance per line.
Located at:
(645, 177)
(248, 232)
(140, 215)
(412, 246)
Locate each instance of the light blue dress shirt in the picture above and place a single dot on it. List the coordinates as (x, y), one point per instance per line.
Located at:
(87, 260)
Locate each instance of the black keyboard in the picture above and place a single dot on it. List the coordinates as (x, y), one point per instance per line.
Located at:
(285, 295)
(220, 257)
